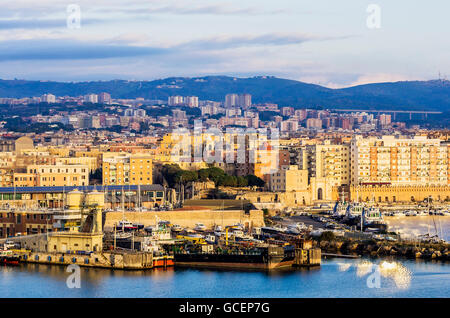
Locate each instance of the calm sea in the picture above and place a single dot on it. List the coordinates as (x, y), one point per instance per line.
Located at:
(335, 278)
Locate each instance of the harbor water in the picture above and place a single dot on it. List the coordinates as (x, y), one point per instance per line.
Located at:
(335, 278)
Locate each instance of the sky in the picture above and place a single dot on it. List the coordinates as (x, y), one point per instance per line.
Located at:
(326, 42)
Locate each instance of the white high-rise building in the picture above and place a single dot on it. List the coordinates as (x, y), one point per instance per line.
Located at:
(91, 98)
(175, 100)
(231, 100)
(48, 98)
(104, 98)
(245, 100)
(192, 101)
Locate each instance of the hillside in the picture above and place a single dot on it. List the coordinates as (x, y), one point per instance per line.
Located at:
(411, 95)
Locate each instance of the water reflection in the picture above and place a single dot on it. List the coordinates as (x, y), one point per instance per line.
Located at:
(335, 278)
(396, 271)
(93, 275)
(388, 269)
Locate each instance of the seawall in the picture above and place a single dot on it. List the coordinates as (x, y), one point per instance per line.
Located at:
(188, 218)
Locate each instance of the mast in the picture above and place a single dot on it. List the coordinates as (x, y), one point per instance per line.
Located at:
(123, 211)
(115, 234)
(139, 198)
(362, 217)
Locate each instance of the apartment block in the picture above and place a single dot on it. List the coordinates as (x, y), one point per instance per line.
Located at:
(289, 178)
(128, 169)
(400, 161)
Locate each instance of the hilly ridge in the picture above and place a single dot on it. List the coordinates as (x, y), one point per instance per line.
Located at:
(410, 95)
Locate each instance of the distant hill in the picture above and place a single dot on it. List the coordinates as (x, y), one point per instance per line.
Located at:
(411, 95)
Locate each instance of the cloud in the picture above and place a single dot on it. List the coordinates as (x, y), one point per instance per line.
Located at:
(69, 50)
(343, 81)
(11, 24)
(65, 49)
(380, 78)
(21, 8)
(216, 9)
(229, 42)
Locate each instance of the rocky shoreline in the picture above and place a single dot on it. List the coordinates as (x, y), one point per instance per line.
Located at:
(382, 248)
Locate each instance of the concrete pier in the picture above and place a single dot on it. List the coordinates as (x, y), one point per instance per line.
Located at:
(111, 260)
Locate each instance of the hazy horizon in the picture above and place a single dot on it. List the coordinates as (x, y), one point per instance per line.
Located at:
(203, 76)
(323, 42)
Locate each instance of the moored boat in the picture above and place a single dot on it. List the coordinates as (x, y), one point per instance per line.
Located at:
(7, 258)
(373, 218)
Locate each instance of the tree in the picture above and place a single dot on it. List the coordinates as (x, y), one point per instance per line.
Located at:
(242, 182)
(203, 175)
(143, 126)
(185, 176)
(253, 180)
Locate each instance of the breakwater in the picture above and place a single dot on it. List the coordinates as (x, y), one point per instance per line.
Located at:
(374, 248)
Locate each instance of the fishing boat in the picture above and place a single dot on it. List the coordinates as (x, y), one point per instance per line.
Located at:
(373, 218)
(126, 225)
(354, 210)
(7, 258)
(340, 208)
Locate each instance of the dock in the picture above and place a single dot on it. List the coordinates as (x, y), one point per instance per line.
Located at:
(107, 260)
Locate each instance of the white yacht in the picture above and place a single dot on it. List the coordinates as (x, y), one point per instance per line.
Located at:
(200, 227)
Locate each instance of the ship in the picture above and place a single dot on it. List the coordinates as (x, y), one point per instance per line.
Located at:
(258, 258)
(354, 210)
(373, 218)
(340, 208)
(7, 258)
(126, 226)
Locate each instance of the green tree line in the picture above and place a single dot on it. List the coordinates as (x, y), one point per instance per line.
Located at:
(174, 175)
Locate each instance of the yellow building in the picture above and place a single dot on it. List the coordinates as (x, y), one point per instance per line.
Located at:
(23, 143)
(127, 169)
(90, 162)
(328, 166)
(400, 161)
(327, 161)
(289, 178)
(75, 241)
(58, 175)
(24, 179)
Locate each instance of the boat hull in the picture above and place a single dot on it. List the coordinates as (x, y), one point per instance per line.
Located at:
(271, 260)
(9, 260)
